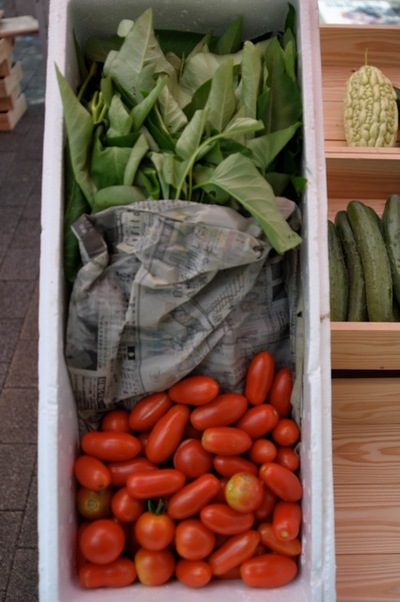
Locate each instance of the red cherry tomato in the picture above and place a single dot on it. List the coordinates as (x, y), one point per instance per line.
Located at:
(118, 573)
(167, 433)
(225, 409)
(267, 505)
(192, 459)
(126, 508)
(148, 411)
(259, 377)
(94, 504)
(236, 550)
(154, 531)
(286, 520)
(288, 457)
(154, 567)
(222, 519)
(92, 473)
(281, 392)
(269, 539)
(286, 432)
(268, 570)
(116, 420)
(226, 440)
(194, 390)
(159, 482)
(193, 541)
(110, 446)
(258, 420)
(244, 492)
(227, 466)
(283, 482)
(102, 541)
(193, 573)
(193, 497)
(121, 470)
(262, 450)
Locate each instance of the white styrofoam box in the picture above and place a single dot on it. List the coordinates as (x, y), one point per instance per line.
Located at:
(58, 429)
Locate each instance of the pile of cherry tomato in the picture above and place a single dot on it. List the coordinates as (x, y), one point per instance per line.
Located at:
(193, 484)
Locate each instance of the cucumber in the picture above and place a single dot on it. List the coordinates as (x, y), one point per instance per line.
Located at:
(391, 235)
(338, 278)
(375, 261)
(357, 303)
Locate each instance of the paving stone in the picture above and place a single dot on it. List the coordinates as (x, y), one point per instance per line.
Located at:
(9, 333)
(4, 367)
(30, 329)
(20, 264)
(23, 585)
(15, 297)
(16, 469)
(18, 415)
(26, 234)
(9, 218)
(23, 369)
(10, 525)
(28, 537)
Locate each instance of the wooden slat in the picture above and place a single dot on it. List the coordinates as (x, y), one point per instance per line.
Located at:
(18, 26)
(9, 82)
(368, 577)
(365, 401)
(367, 518)
(9, 120)
(7, 103)
(365, 346)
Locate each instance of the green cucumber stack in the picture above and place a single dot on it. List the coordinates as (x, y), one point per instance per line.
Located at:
(364, 263)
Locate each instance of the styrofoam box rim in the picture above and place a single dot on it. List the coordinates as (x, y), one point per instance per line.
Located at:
(57, 423)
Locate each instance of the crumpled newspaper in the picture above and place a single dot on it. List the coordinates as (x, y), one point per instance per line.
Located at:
(171, 288)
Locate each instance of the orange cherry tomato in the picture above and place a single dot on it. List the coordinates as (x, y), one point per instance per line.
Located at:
(94, 504)
(282, 481)
(193, 573)
(286, 520)
(259, 377)
(159, 482)
(288, 457)
(270, 540)
(192, 459)
(286, 432)
(224, 410)
(110, 446)
(118, 573)
(193, 497)
(154, 530)
(121, 470)
(194, 390)
(126, 508)
(91, 472)
(244, 492)
(227, 466)
(268, 570)
(154, 567)
(258, 420)
(267, 505)
(167, 433)
(116, 420)
(226, 440)
(148, 411)
(262, 450)
(236, 550)
(281, 392)
(102, 541)
(224, 520)
(193, 540)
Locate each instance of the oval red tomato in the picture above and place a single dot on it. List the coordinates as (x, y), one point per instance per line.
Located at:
(102, 541)
(110, 446)
(226, 440)
(126, 508)
(224, 410)
(227, 466)
(116, 420)
(189, 500)
(120, 471)
(193, 540)
(268, 570)
(192, 459)
(262, 450)
(154, 531)
(244, 492)
(259, 377)
(286, 432)
(286, 520)
(269, 539)
(224, 520)
(281, 391)
(148, 411)
(118, 573)
(288, 457)
(194, 390)
(193, 573)
(154, 567)
(167, 433)
(235, 551)
(94, 504)
(91, 473)
(283, 482)
(258, 420)
(159, 482)
(267, 505)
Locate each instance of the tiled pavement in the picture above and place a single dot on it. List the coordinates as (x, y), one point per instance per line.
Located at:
(20, 196)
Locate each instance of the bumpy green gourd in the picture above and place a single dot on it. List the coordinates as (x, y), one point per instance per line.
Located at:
(370, 109)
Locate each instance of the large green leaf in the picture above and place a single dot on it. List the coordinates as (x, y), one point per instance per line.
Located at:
(230, 40)
(108, 163)
(266, 148)
(238, 176)
(221, 102)
(120, 122)
(137, 153)
(190, 139)
(251, 71)
(173, 116)
(79, 126)
(113, 196)
(143, 108)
